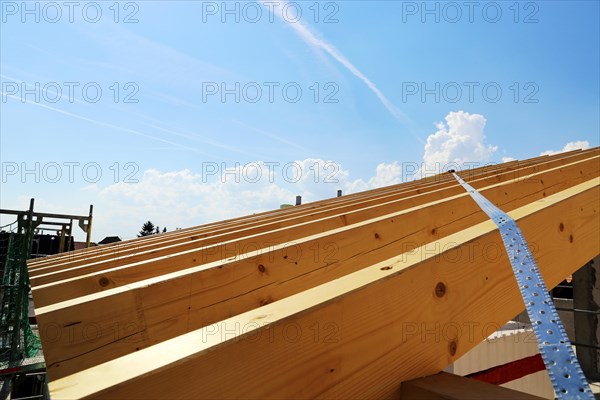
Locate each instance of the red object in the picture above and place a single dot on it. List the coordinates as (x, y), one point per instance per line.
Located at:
(9, 370)
(510, 371)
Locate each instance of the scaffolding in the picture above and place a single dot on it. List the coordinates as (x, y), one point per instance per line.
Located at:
(19, 345)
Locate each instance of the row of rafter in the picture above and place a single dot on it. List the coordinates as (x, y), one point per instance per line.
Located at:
(345, 297)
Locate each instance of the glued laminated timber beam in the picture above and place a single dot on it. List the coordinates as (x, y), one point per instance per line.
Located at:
(362, 334)
(110, 275)
(118, 253)
(162, 307)
(212, 247)
(149, 243)
(96, 316)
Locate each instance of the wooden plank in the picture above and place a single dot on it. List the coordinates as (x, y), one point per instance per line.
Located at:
(185, 233)
(96, 282)
(137, 245)
(69, 269)
(150, 242)
(124, 319)
(158, 323)
(35, 263)
(388, 323)
(445, 386)
(222, 247)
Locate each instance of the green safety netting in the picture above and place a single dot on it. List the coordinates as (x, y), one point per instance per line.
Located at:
(17, 339)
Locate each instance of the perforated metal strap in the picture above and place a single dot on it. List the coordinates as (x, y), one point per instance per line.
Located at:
(560, 360)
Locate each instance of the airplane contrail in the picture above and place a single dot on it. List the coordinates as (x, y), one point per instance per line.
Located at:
(105, 124)
(311, 38)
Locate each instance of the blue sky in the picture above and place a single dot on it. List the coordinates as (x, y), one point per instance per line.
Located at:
(168, 96)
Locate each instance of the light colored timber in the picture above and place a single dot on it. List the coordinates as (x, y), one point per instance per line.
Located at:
(376, 327)
(66, 269)
(151, 242)
(490, 169)
(208, 249)
(184, 233)
(34, 263)
(229, 250)
(137, 245)
(445, 386)
(160, 308)
(91, 281)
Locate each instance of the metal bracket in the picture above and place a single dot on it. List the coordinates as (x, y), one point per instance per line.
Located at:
(562, 365)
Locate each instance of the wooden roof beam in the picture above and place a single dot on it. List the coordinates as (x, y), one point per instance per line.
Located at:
(137, 244)
(389, 322)
(161, 308)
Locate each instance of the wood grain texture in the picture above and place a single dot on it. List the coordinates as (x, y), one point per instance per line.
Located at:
(128, 318)
(386, 321)
(341, 298)
(98, 327)
(90, 280)
(136, 246)
(195, 250)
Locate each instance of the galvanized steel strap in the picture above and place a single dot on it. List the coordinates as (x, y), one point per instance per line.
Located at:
(561, 363)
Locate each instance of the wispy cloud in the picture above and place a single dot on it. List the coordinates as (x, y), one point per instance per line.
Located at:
(53, 93)
(135, 55)
(105, 124)
(198, 138)
(311, 38)
(272, 136)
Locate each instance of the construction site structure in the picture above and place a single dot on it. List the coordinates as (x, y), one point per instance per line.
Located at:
(366, 295)
(22, 371)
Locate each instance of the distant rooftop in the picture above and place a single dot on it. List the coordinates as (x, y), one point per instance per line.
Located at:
(110, 239)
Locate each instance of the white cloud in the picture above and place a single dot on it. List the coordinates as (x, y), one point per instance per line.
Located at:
(386, 175)
(182, 199)
(214, 192)
(577, 145)
(459, 141)
(186, 198)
